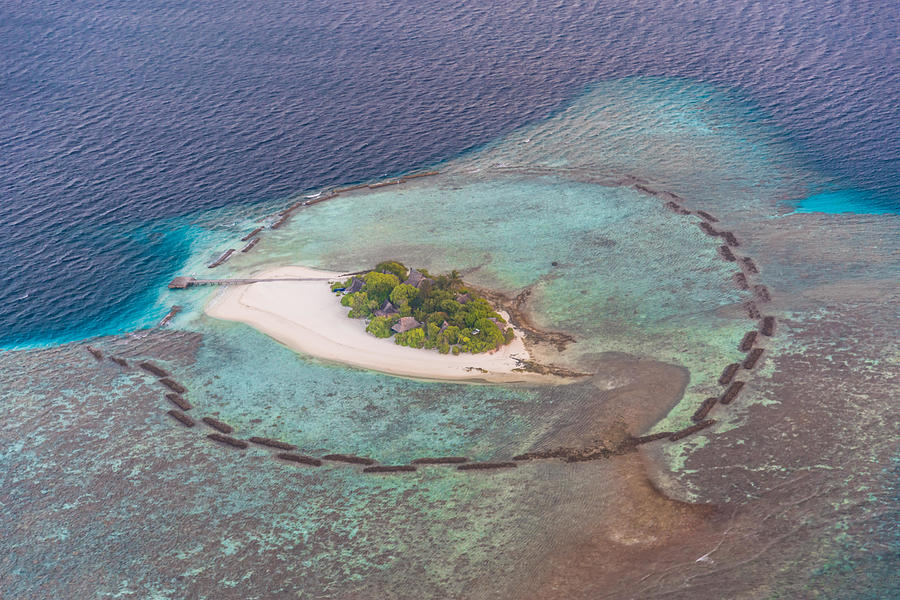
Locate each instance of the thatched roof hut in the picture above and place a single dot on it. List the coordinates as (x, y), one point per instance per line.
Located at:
(405, 324)
(387, 309)
(415, 278)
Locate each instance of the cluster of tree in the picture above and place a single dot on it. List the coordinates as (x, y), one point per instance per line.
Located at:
(452, 318)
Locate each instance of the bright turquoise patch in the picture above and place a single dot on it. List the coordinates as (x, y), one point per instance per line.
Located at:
(844, 201)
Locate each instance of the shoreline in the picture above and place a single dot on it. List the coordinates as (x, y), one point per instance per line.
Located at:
(307, 317)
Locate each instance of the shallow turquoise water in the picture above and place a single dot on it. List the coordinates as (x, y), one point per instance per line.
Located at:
(843, 201)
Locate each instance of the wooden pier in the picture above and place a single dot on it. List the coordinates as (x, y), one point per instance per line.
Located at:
(180, 283)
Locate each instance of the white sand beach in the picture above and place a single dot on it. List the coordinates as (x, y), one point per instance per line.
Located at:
(307, 317)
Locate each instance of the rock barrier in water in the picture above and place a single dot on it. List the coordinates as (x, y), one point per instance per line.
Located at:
(222, 258)
(154, 369)
(262, 441)
(251, 234)
(384, 183)
(704, 408)
(389, 469)
(281, 221)
(750, 265)
(691, 430)
(731, 393)
(95, 353)
(217, 424)
(225, 439)
(728, 373)
(730, 239)
(300, 459)
(439, 460)
(677, 208)
(650, 438)
(569, 454)
(726, 253)
(173, 385)
(349, 458)
(768, 326)
(181, 417)
(178, 401)
(290, 209)
(708, 229)
(119, 361)
(748, 341)
(172, 312)
(250, 245)
(555, 453)
(752, 358)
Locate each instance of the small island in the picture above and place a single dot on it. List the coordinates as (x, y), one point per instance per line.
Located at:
(296, 305)
(423, 311)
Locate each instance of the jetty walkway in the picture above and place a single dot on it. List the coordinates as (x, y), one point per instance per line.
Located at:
(179, 283)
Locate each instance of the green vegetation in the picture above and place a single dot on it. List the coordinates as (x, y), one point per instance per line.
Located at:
(435, 312)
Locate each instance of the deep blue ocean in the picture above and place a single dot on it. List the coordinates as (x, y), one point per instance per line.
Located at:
(118, 118)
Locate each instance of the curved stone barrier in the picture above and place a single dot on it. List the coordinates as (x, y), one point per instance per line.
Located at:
(154, 369)
(218, 425)
(748, 341)
(173, 385)
(350, 458)
(752, 358)
(227, 440)
(180, 416)
(728, 373)
(705, 406)
(768, 326)
(389, 469)
(261, 441)
(673, 203)
(178, 401)
(732, 392)
(691, 430)
(299, 459)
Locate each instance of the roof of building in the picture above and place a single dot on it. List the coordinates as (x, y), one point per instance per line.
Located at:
(405, 324)
(415, 278)
(387, 309)
(463, 298)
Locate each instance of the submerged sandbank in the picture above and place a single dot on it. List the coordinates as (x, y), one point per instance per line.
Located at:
(308, 318)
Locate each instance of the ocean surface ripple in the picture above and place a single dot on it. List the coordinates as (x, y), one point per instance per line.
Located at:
(120, 121)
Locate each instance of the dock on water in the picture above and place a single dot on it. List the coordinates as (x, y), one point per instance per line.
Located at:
(180, 283)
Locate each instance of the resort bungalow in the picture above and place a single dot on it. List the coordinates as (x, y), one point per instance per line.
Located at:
(405, 324)
(463, 298)
(414, 279)
(387, 309)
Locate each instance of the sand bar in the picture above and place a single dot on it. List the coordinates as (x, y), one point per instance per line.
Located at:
(308, 318)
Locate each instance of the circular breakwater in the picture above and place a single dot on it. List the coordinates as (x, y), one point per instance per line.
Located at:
(745, 279)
